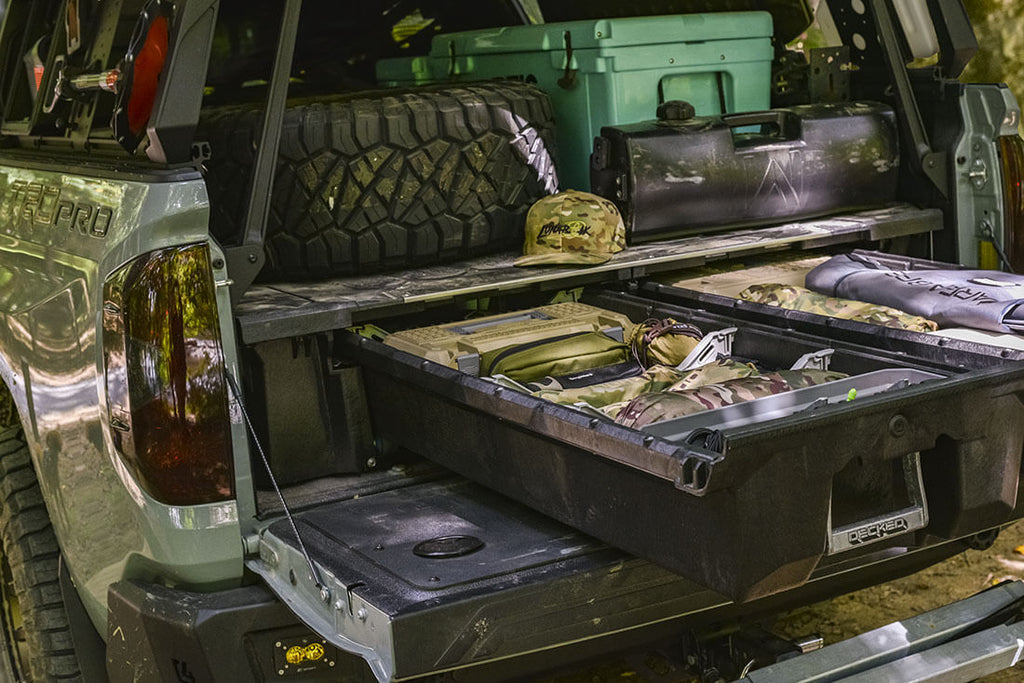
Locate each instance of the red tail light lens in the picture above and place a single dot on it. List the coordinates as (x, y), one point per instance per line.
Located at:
(1011, 153)
(166, 391)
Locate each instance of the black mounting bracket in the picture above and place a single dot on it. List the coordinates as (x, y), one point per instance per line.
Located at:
(931, 163)
(246, 259)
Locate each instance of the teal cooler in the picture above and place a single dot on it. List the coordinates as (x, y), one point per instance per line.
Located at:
(609, 71)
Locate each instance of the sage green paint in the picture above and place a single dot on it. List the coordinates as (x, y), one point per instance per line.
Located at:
(988, 112)
(61, 234)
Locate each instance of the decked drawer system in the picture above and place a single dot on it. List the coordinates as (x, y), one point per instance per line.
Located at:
(750, 519)
(929, 450)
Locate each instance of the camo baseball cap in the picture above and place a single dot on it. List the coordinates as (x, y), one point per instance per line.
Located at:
(572, 227)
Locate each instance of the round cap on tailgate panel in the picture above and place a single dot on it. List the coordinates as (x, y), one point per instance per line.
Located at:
(444, 547)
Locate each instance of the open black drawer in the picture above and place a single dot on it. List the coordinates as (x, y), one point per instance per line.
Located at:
(759, 514)
(750, 518)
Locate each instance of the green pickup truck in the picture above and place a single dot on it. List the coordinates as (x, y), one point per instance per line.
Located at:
(213, 212)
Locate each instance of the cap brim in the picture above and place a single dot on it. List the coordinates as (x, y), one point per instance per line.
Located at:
(561, 258)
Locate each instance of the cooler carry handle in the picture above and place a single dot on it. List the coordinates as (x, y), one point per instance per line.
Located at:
(471, 327)
(568, 79)
(775, 124)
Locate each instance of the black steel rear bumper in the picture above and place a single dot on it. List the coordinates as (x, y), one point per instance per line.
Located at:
(242, 634)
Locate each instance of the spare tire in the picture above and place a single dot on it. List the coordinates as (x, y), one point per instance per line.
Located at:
(389, 179)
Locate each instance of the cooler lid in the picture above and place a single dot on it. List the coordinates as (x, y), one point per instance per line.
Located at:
(791, 17)
(606, 33)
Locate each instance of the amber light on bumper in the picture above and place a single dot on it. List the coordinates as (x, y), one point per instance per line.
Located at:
(166, 393)
(1011, 153)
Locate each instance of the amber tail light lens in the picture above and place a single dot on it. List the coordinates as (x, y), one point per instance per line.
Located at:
(1011, 153)
(166, 392)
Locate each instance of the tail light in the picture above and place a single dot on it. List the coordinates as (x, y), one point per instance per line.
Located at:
(166, 393)
(1011, 153)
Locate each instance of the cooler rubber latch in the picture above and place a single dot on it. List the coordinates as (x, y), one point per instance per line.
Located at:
(568, 79)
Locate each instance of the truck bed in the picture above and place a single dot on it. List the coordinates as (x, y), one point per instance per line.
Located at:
(287, 309)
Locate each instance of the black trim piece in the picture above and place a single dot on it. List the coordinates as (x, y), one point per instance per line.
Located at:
(89, 646)
(957, 42)
(166, 634)
(246, 260)
(75, 165)
(932, 164)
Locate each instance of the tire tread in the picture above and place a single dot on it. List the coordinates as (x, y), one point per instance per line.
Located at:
(33, 555)
(368, 182)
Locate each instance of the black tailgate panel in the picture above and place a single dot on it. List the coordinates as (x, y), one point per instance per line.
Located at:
(760, 521)
(528, 584)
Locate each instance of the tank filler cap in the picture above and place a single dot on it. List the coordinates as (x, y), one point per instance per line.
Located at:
(675, 110)
(444, 547)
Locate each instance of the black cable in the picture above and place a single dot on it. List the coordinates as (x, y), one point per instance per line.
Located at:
(710, 439)
(990, 238)
(236, 392)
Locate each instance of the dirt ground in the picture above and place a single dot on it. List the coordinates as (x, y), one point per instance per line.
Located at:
(845, 616)
(956, 578)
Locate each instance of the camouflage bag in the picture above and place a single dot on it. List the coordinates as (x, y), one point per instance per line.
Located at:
(714, 372)
(655, 378)
(710, 373)
(655, 407)
(794, 298)
(809, 377)
(611, 397)
(561, 355)
(663, 341)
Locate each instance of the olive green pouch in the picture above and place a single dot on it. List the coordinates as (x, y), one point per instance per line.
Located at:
(554, 356)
